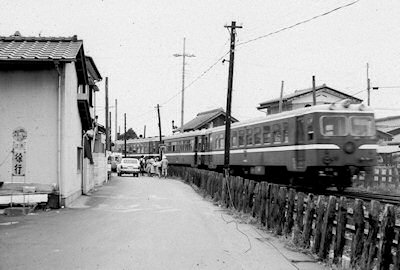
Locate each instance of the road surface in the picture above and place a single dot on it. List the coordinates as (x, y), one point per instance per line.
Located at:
(141, 223)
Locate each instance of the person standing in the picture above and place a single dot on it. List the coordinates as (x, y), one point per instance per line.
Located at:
(157, 166)
(164, 167)
(142, 163)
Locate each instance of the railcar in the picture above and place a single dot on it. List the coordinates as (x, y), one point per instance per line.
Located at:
(136, 148)
(322, 145)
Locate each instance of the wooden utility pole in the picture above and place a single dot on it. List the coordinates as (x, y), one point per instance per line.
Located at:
(144, 131)
(314, 97)
(184, 55)
(368, 86)
(107, 127)
(232, 28)
(109, 134)
(116, 120)
(125, 133)
(159, 122)
(281, 99)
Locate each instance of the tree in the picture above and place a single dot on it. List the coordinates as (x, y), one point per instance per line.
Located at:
(130, 134)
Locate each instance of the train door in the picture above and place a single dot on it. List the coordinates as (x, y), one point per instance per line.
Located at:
(196, 149)
(300, 153)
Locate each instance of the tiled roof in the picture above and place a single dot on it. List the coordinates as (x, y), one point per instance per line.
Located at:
(298, 93)
(203, 118)
(18, 48)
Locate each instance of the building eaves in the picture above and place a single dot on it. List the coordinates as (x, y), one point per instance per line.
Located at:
(18, 48)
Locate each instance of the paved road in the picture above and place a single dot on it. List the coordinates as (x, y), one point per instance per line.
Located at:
(140, 223)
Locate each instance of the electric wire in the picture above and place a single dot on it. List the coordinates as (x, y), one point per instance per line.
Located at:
(197, 78)
(299, 23)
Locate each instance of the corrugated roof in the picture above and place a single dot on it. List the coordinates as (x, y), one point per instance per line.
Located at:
(18, 48)
(301, 92)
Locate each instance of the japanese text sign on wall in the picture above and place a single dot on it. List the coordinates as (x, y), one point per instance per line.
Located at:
(19, 152)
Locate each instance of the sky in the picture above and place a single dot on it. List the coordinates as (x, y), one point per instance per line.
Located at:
(133, 44)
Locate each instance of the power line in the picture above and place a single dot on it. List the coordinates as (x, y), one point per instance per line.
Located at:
(297, 24)
(197, 78)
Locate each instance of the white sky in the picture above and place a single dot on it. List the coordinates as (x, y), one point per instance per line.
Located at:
(132, 42)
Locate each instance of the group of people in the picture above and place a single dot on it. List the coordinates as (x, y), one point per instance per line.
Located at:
(154, 166)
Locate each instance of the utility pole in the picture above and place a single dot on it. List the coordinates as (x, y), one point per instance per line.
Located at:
(144, 132)
(232, 28)
(109, 135)
(125, 133)
(368, 87)
(159, 123)
(116, 120)
(184, 55)
(314, 97)
(107, 127)
(281, 99)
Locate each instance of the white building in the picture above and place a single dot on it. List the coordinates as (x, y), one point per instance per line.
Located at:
(303, 98)
(46, 106)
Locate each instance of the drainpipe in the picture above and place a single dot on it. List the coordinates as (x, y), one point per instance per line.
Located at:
(56, 63)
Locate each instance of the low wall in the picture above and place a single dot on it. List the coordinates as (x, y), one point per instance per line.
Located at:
(340, 231)
(100, 169)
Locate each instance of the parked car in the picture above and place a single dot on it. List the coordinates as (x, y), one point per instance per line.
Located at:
(129, 166)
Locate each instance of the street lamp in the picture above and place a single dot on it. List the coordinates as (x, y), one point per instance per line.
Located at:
(184, 55)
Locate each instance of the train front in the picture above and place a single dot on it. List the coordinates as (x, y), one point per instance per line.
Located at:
(349, 131)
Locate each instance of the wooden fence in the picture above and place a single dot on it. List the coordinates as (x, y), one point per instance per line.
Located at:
(382, 175)
(332, 228)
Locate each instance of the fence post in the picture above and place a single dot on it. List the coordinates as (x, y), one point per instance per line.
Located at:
(386, 239)
(308, 220)
(262, 202)
(318, 223)
(358, 238)
(369, 249)
(268, 206)
(396, 262)
(290, 212)
(281, 210)
(340, 230)
(326, 237)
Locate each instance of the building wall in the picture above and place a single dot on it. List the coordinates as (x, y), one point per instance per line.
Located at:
(71, 136)
(28, 99)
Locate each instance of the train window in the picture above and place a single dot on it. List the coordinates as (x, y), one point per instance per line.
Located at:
(362, 126)
(300, 130)
(241, 137)
(285, 132)
(234, 139)
(249, 136)
(310, 129)
(267, 134)
(276, 133)
(257, 135)
(333, 125)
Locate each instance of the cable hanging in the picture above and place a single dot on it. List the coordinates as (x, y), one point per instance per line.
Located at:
(297, 24)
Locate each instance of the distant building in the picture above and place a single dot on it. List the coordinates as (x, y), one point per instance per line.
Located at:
(48, 132)
(207, 119)
(303, 98)
(389, 125)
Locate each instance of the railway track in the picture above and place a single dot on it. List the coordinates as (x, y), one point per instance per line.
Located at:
(357, 194)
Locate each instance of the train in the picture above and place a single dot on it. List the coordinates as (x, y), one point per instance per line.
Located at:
(318, 146)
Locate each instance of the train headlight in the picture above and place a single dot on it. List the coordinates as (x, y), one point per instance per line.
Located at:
(349, 147)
